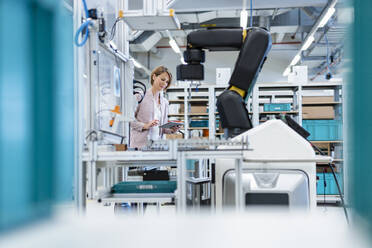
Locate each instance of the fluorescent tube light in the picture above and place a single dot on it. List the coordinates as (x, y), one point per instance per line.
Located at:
(287, 71)
(243, 18)
(174, 46)
(326, 17)
(296, 59)
(308, 43)
(182, 60)
(137, 64)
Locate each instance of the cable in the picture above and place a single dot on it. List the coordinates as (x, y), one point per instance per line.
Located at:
(251, 17)
(329, 74)
(113, 28)
(85, 9)
(305, 134)
(337, 184)
(83, 27)
(324, 186)
(141, 86)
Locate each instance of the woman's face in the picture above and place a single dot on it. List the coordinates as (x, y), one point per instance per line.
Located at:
(161, 81)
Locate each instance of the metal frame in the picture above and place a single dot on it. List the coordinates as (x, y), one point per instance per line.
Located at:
(79, 186)
(176, 155)
(236, 154)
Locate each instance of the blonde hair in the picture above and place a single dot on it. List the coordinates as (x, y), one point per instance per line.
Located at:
(160, 70)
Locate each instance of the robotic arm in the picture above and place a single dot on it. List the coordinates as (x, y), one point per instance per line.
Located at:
(254, 45)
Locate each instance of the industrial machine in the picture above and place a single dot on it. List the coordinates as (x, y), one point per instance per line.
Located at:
(253, 44)
(274, 173)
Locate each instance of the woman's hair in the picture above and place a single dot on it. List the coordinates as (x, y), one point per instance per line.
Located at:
(159, 70)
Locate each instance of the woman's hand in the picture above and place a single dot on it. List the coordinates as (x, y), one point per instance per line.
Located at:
(151, 124)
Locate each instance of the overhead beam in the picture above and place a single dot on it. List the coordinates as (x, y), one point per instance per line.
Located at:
(310, 11)
(310, 35)
(314, 58)
(209, 5)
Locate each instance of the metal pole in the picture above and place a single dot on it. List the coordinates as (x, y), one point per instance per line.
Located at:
(79, 176)
(186, 114)
(255, 106)
(211, 113)
(238, 185)
(181, 187)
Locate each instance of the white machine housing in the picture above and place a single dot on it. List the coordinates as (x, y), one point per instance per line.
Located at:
(287, 160)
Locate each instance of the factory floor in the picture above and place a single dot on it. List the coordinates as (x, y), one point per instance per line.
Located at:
(102, 227)
(95, 209)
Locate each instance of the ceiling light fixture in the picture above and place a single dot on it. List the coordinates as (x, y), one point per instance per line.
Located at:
(243, 19)
(173, 43)
(182, 60)
(174, 46)
(137, 64)
(326, 14)
(287, 71)
(326, 17)
(296, 59)
(308, 43)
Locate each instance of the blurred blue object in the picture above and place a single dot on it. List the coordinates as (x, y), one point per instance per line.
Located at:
(36, 109)
(360, 119)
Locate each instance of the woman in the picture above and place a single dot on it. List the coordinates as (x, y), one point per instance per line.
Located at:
(152, 112)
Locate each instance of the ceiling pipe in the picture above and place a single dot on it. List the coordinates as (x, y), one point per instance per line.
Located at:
(310, 11)
(331, 4)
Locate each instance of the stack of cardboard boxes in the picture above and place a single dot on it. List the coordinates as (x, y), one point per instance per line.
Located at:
(195, 109)
(313, 112)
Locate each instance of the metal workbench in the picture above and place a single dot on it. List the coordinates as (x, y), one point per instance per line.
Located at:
(178, 151)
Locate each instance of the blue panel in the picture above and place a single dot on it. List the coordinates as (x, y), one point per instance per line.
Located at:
(360, 119)
(323, 129)
(269, 107)
(36, 110)
(331, 186)
(64, 102)
(16, 114)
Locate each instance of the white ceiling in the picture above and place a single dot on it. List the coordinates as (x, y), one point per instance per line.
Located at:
(203, 5)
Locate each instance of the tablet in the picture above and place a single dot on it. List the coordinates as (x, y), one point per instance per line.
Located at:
(171, 124)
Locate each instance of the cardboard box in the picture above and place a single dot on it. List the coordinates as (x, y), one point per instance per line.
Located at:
(121, 147)
(317, 99)
(174, 136)
(195, 109)
(318, 112)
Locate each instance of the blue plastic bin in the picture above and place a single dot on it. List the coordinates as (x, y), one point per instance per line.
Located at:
(331, 186)
(270, 107)
(323, 129)
(201, 123)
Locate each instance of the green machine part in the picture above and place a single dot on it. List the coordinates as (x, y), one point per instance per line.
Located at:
(132, 187)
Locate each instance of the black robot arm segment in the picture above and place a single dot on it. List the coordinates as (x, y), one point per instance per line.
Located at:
(254, 45)
(252, 55)
(216, 39)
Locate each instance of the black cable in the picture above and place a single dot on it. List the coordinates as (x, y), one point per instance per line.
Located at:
(337, 184)
(141, 86)
(113, 29)
(305, 134)
(90, 133)
(324, 185)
